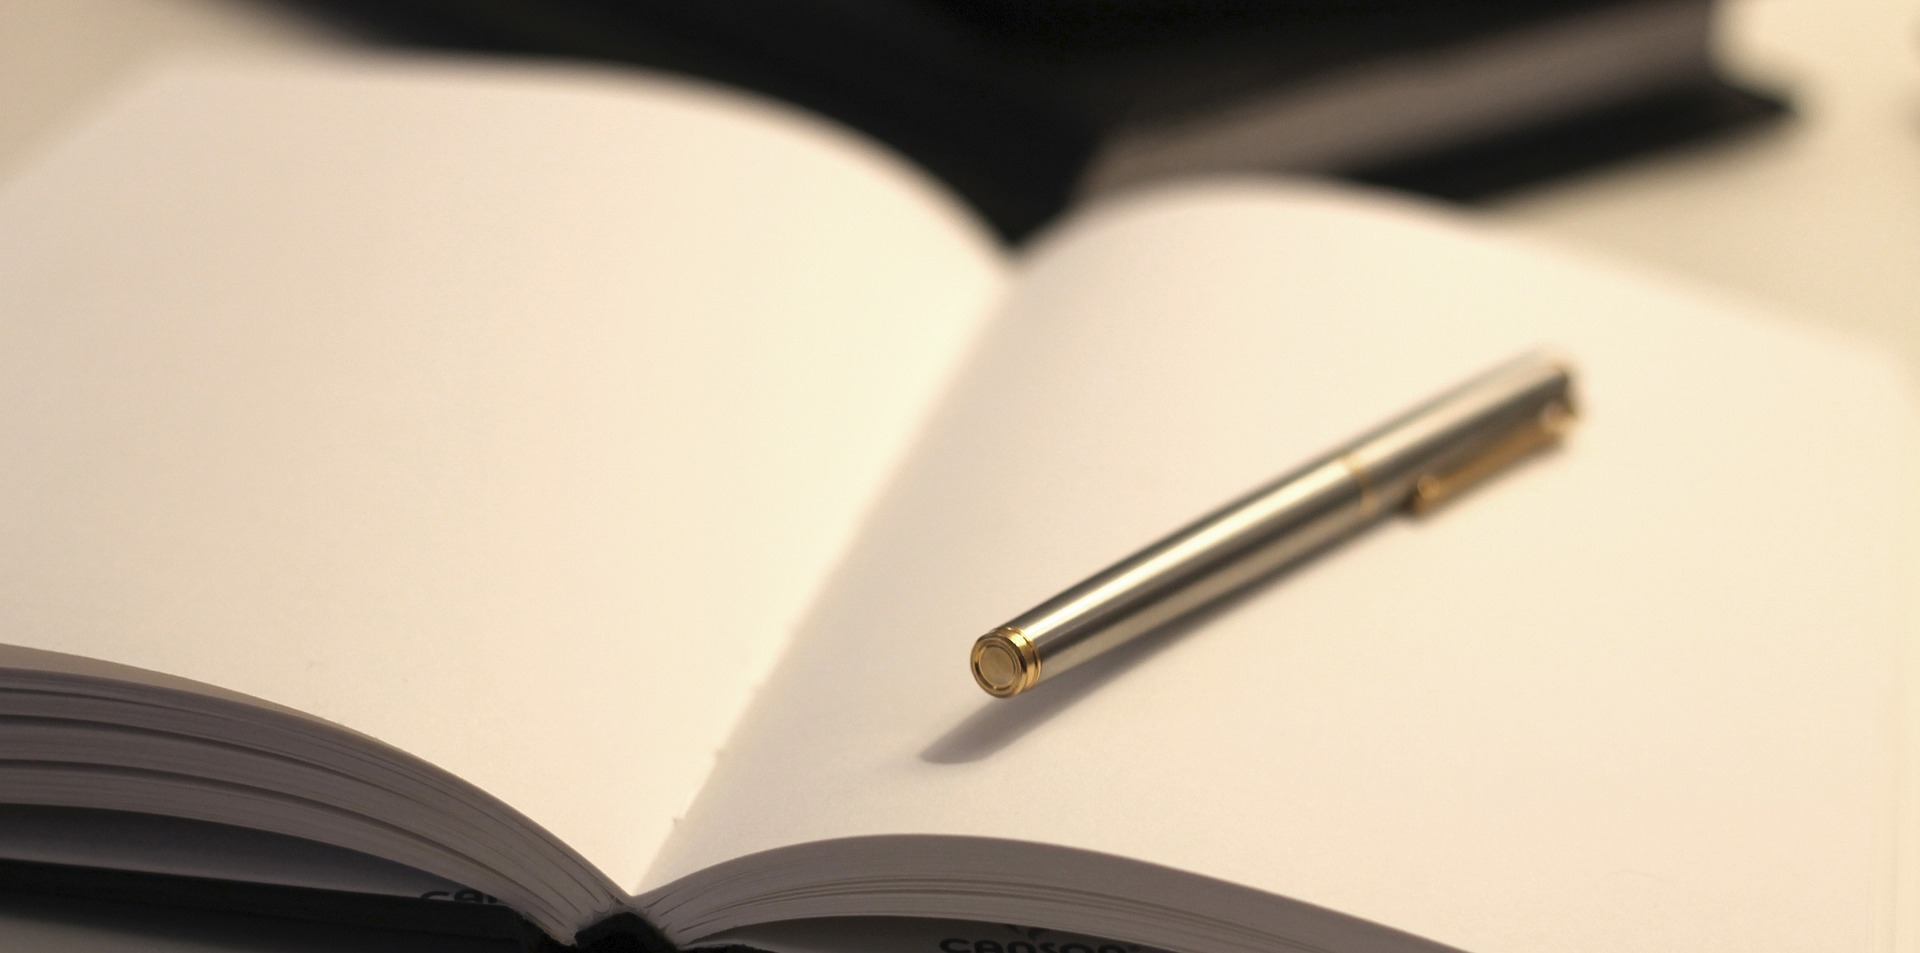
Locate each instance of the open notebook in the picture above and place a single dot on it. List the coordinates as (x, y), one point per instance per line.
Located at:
(581, 494)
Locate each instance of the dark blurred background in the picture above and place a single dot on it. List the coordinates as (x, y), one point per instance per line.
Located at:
(1023, 106)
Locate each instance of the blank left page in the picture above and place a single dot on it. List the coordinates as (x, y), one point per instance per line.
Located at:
(509, 416)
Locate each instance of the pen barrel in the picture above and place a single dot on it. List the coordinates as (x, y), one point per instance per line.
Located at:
(1207, 561)
(1413, 461)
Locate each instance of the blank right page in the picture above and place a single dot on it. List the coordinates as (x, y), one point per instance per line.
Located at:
(1640, 693)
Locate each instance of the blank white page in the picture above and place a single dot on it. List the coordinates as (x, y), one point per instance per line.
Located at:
(507, 415)
(1637, 694)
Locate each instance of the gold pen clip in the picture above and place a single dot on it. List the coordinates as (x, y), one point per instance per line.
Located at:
(1535, 433)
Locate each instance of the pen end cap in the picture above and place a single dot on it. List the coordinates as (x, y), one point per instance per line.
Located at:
(1005, 663)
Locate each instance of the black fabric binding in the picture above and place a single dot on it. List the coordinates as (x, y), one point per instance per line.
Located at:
(623, 933)
(302, 904)
(133, 890)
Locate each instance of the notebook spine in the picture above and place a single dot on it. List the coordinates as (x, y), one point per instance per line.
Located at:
(623, 933)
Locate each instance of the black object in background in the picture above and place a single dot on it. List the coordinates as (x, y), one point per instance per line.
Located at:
(1022, 106)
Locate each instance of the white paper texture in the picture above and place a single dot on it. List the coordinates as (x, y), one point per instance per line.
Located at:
(510, 416)
(1637, 694)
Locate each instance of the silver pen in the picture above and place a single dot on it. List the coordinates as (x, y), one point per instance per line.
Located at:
(1414, 462)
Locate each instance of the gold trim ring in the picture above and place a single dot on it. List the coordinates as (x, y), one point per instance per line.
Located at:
(1005, 662)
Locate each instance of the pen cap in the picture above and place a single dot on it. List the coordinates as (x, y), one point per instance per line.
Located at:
(1435, 451)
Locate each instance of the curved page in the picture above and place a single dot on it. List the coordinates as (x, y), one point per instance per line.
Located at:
(1640, 693)
(509, 416)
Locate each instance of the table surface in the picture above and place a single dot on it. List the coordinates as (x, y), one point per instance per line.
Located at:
(1816, 217)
